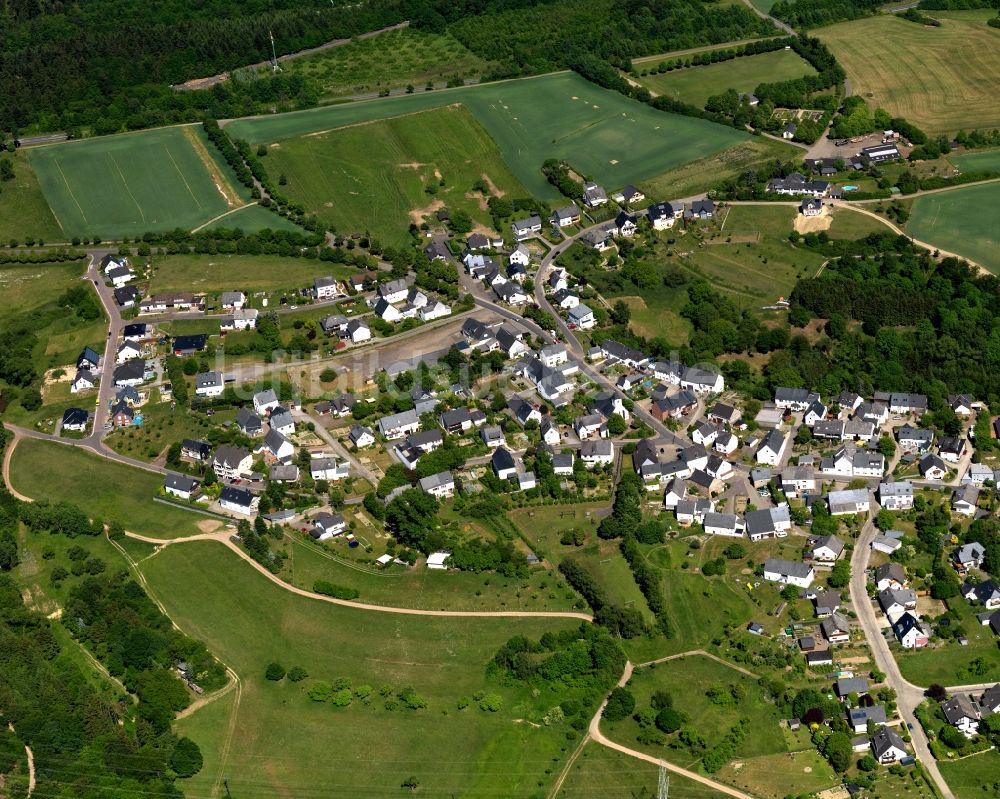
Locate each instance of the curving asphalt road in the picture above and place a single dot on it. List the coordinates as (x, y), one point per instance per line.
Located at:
(908, 695)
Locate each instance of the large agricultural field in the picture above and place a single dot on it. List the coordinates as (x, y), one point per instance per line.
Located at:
(364, 749)
(695, 85)
(599, 132)
(957, 221)
(388, 61)
(941, 79)
(378, 177)
(137, 182)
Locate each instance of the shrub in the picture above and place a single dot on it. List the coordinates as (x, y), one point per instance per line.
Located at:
(669, 720)
(337, 591)
(297, 674)
(342, 698)
(320, 691)
(491, 702)
(620, 705)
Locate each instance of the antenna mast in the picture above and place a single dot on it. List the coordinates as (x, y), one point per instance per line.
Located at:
(274, 54)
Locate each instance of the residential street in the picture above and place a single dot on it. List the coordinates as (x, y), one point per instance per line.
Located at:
(908, 695)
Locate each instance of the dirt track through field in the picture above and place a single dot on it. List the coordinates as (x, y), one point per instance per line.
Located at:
(226, 189)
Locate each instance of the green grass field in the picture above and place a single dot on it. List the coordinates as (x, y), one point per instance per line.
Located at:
(388, 61)
(601, 133)
(23, 209)
(368, 178)
(696, 84)
(247, 273)
(973, 777)
(254, 218)
(364, 749)
(543, 527)
(776, 776)
(136, 182)
(687, 680)
(424, 588)
(102, 488)
(982, 160)
(701, 174)
(602, 773)
(31, 292)
(848, 224)
(940, 79)
(956, 221)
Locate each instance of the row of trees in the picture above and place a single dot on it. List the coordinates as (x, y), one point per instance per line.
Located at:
(813, 13)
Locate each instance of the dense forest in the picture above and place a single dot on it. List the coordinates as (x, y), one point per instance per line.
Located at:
(107, 65)
(84, 743)
(547, 38)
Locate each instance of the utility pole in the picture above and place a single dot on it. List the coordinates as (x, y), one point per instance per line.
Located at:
(274, 54)
(225, 781)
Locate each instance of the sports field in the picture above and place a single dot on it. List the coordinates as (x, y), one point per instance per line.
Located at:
(271, 740)
(601, 133)
(380, 176)
(695, 85)
(941, 79)
(129, 184)
(957, 222)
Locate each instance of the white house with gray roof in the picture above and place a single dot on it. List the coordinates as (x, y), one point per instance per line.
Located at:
(896, 495)
(438, 485)
(847, 502)
(772, 448)
(399, 424)
(789, 572)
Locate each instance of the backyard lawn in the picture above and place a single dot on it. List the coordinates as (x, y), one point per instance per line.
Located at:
(947, 662)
